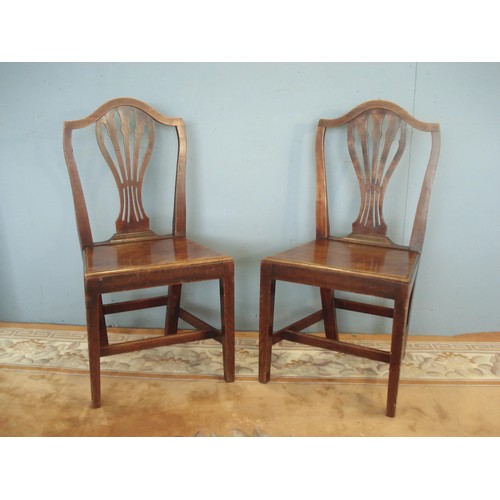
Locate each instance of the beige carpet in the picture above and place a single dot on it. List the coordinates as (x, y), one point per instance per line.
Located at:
(449, 387)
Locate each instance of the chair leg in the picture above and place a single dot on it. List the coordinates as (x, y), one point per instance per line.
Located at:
(226, 286)
(103, 329)
(173, 305)
(266, 321)
(410, 302)
(399, 332)
(93, 334)
(329, 313)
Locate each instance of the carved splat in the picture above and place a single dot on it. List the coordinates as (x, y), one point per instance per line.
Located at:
(126, 137)
(375, 155)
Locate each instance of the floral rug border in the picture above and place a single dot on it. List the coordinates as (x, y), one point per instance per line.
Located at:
(65, 350)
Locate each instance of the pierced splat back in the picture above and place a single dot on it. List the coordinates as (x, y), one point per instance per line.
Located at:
(125, 131)
(377, 134)
(375, 131)
(131, 137)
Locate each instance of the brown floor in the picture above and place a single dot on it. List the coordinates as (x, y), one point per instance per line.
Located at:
(38, 403)
(54, 404)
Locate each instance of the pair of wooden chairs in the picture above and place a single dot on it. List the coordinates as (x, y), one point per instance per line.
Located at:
(364, 262)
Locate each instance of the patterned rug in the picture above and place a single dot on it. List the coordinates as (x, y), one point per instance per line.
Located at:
(440, 361)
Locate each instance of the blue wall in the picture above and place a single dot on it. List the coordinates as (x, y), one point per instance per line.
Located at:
(250, 133)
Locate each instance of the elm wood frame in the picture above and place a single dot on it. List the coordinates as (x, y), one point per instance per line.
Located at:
(364, 262)
(135, 257)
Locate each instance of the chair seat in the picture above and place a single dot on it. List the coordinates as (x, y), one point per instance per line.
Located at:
(349, 257)
(147, 255)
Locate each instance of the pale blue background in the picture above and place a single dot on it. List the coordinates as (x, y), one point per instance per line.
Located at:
(250, 186)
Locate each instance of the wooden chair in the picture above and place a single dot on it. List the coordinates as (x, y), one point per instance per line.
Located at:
(366, 261)
(135, 257)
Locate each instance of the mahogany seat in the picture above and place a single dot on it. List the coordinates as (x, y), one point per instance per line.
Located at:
(135, 257)
(366, 261)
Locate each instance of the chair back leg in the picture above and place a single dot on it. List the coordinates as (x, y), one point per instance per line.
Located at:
(173, 305)
(330, 315)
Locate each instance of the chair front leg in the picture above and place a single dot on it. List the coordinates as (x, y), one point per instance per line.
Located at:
(398, 342)
(94, 310)
(226, 286)
(266, 321)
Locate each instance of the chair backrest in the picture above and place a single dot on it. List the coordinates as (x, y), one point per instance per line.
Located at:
(125, 131)
(377, 135)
